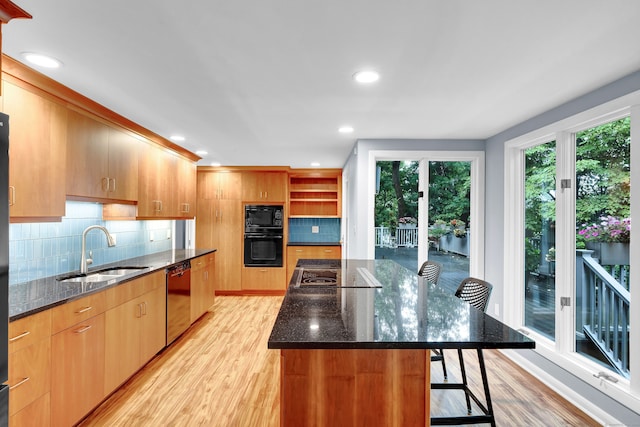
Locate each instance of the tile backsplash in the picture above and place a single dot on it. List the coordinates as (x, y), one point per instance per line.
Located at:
(38, 250)
(301, 230)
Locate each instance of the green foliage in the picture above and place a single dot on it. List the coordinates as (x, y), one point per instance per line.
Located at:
(386, 210)
(449, 191)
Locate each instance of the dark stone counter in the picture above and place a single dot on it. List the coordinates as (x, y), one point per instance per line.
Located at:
(382, 305)
(38, 295)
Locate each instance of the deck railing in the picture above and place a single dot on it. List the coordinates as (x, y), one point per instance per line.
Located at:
(603, 305)
(394, 237)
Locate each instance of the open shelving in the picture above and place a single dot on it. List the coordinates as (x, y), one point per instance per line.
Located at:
(314, 193)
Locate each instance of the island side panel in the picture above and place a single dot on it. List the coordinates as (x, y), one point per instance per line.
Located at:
(355, 387)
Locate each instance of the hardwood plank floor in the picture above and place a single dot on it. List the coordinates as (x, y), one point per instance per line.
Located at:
(220, 373)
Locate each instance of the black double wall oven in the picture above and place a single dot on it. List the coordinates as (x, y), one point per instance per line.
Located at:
(263, 235)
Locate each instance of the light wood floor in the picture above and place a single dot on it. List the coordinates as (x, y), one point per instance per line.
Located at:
(220, 373)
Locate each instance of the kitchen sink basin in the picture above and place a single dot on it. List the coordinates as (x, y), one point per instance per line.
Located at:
(106, 275)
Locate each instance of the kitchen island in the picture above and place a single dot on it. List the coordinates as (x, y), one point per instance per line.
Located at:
(355, 339)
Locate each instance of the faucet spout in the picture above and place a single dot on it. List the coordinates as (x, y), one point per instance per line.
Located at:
(83, 257)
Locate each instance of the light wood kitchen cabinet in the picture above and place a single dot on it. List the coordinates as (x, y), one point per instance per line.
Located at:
(77, 370)
(154, 175)
(294, 253)
(220, 225)
(264, 278)
(186, 188)
(102, 162)
(37, 413)
(165, 184)
(202, 285)
(135, 328)
(66, 315)
(222, 185)
(30, 368)
(315, 193)
(37, 171)
(264, 187)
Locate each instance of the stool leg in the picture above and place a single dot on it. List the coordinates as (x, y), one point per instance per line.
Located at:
(444, 367)
(485, 384)
(463, 371)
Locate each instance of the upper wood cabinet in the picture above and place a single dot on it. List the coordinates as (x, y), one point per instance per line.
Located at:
(37, 149)
(315, 193)
(102, 162)
(264, 187)
(166, 184)
(222, 185)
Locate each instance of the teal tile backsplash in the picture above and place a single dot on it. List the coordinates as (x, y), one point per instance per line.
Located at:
(300, 230)
(38, 250)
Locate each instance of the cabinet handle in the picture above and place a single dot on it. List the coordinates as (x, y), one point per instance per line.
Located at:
(12, 193)
(105, 184)
(328, 251)
(114, 184)
(299, 250)
(84, 310)
(158, 205)
(82, 329)
(17, 337)
(263, 271)
(185, 208)
(144, 308)
(19, 383)
(139, 311)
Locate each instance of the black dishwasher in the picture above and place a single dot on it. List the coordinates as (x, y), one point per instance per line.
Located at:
(178, 300)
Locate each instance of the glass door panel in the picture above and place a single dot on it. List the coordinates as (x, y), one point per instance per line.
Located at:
(396, 212)
(449, 217)
(540, 238)
(602, 244)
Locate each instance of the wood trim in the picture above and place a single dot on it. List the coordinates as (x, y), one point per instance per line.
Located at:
(20, 72)
(9, 11)
(266, 292)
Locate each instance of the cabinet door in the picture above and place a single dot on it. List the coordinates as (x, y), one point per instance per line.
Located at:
(264, 278)
(186, 184)
(153, 181)
(154, 318)
(229, 185)
(38, 154)
(37, 413)
(77, 370)
(202, 288)
(122, 343)
(206, 224)
(87, 156)
(264, 187)
(228, 236)
(123, 166)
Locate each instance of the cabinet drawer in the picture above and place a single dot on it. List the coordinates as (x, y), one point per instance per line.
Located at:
(29, 374)
(29, 330)
(69, 314)
(134, 288)
(37, 413)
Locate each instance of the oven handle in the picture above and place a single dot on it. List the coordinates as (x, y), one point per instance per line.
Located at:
(262, 236)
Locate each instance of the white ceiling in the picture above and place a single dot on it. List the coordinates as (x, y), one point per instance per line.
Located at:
(268, 82)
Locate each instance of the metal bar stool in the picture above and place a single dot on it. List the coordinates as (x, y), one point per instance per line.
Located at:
(431, 270)
(476, 292)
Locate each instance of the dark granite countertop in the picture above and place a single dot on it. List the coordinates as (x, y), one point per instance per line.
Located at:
(404, 311)
(38, 295)
(314, 244)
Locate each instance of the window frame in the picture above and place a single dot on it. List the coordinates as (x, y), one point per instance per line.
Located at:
(561, 351)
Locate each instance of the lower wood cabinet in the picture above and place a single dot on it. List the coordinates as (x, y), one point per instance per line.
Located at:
(264, 279)
(30, 370)
(294, 253)
(77, 370)
(202, 285)
(135, 329)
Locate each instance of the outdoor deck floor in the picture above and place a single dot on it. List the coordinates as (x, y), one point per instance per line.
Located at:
(454, 267)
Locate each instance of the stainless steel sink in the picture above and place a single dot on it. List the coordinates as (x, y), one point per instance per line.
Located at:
(106, 275)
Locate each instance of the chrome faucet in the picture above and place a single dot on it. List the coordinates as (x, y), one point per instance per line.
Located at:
(83, 258)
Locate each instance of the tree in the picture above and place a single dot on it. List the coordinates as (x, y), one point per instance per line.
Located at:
(449, 191)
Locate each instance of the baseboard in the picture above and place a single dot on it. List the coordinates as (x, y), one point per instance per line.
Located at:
(264, 293)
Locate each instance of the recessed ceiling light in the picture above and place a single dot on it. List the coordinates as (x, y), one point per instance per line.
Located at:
(215, 164)
(366, 76)
(345, 129)
(201, 153)
(42, 60)
(178, 138)
(315, 164)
